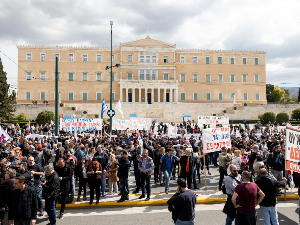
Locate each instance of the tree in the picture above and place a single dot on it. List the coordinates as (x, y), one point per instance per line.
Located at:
(282, 117)
(269, 89)
(296, 114)
(269, 117)
(22, 117)
(299, 95)
(7, 102)
(277, 94)
(45, 117)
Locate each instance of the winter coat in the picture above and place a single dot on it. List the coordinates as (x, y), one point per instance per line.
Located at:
(29, 204)
(66, 174)
(6, 187)
(52, 187)
(113, 168)
(124, 166)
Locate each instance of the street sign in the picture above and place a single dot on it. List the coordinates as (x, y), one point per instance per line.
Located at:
(111, 112)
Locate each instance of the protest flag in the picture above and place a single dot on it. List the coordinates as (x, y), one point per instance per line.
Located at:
(104, 108)
(119, 108)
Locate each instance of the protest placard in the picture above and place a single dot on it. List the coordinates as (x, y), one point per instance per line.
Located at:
(121, 124)
(292, 153)
(213, 119)
(80, 124)
(172, 131)
(216, 138)
(141, 123)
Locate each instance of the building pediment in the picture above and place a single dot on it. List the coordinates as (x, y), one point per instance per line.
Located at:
(147, 42)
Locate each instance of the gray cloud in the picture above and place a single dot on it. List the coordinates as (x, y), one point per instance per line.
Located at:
(205, 24)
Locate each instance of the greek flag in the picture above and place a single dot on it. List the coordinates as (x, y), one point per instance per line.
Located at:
(104, 108)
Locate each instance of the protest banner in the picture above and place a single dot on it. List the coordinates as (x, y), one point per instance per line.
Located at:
(292, 153)
(141, 123)
(172, 131)
(216, 138)
(80, 124)
(121, 124)
(213, 119)
(33, 136)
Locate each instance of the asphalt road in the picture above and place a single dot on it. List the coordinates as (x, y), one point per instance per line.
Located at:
(288, 213)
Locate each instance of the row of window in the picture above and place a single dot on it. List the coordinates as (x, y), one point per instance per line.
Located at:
(144, 57)
(70, 96)
(220, 78)
(148, 75)
(71, 76)
(220, 96)
(71, 57)
(182, 96)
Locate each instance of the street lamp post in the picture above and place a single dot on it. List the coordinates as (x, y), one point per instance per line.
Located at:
(111, 23)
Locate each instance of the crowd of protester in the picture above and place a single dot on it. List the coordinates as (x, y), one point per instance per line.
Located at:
(48, 167)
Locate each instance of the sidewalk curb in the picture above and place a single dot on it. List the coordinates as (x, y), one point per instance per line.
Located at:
(162, 202)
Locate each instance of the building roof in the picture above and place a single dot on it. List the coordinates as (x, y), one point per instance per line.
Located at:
(147, 42)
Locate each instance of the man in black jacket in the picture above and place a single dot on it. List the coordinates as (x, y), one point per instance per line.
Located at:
(124, 166)
(65, 174)
(268, 205)
(51, 190)
(6, 187)
(22, 204)
(276, 162)
(36, 171)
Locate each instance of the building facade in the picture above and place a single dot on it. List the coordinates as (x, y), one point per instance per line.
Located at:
(149, 72)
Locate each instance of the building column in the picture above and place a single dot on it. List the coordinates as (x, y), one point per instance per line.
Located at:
(158, 95)
(171, 95)
(126, 95)
(176, 95)
(152, 95)
(133, 94)
(164, 97)
(121, 94)
(140, 95)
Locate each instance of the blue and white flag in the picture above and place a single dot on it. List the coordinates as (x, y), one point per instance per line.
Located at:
(104, 108)
(4, 135)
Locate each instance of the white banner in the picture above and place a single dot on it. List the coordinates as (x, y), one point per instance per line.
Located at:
(213, 119)
(216, 138)
(141, 123)
(121, 124)
(172, 131)
(292, 153)
(33, 136)
(80, 124)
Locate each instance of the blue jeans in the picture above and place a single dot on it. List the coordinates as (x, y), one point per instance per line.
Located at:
(196, 170)
(50, 208)
(124, 187)
(167, 175)
(73, 184)
(103, 183)
(215, 160)
(269, 214)
(229, 221)
(179, 222)
(39, 198)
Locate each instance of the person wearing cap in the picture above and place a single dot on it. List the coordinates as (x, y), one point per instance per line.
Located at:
(167, 162)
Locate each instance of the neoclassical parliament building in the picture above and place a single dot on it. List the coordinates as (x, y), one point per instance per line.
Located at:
(145, 71)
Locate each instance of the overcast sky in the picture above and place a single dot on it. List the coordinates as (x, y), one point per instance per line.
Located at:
(270, 25)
